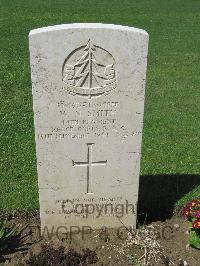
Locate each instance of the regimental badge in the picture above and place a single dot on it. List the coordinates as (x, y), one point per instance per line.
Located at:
(89, 71)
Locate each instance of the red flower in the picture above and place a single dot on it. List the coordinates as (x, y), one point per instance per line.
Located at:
(189, 204)
(197, 214)
(186, 211)
(192, 203)
(196, 224)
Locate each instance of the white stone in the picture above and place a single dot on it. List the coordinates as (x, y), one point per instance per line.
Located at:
(88, 83)
(177, 226)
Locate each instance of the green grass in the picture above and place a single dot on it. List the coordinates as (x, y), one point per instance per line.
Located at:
(172, 129)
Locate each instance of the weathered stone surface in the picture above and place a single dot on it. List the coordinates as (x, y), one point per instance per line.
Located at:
(88, 83)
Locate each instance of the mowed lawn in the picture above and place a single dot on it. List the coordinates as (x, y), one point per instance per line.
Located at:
(171, 140)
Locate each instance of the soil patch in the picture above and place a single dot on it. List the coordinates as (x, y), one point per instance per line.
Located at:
(158, 243)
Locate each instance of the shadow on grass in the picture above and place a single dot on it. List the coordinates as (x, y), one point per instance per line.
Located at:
(158, 195)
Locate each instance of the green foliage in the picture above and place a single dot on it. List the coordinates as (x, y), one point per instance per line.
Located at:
(194, 238)
(6, 233)
(191, 211)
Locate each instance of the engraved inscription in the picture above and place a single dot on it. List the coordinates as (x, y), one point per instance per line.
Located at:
(84, 120)
(89, 165)
(89, 71)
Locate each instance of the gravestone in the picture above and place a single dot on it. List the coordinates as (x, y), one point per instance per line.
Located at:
(88, 83)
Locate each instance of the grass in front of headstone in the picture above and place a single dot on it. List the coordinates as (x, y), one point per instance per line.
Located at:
(171, 128)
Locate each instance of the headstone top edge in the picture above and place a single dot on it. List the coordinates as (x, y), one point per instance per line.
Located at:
(85, 26)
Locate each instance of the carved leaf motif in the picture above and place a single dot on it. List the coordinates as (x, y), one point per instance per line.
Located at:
(90, 71)
(110, 72)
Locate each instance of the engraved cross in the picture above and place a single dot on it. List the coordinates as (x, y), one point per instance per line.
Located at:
(89, 165)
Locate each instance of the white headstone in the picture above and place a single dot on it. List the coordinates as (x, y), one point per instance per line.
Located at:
(88, 83)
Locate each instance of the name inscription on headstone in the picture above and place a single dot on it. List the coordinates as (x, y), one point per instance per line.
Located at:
(87, 119)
